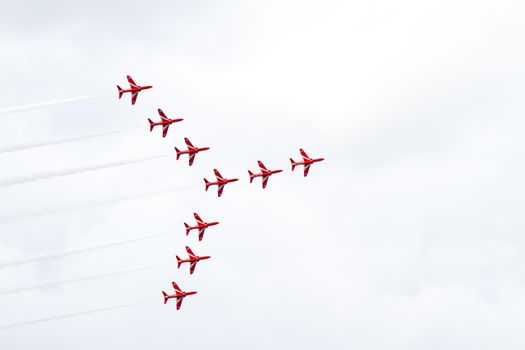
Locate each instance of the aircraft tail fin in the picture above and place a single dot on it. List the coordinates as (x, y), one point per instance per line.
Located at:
(251, 176)
(151, 125)
(178, 152)
(206, 184)
(165, 297)
(293, 163)
(187, 228)
(120, 92)
(178, 261)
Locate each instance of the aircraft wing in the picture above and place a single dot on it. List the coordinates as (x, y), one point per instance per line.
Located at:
(165, 130)
(201, 233)
(198, 218)
(218, 175)
(221, 188)
(306, 168)
(303, 153)
(261, 165)
(134, 97)
(176, 287)
(131, 82)
(265, 180)
(192, 267)
(188, 143)
(190, 252)
(179, 303)
(162, 115)
(192, 157)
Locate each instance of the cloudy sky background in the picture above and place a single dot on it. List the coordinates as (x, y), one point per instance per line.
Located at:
(408, 236)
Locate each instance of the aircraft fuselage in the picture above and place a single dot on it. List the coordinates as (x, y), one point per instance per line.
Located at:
(268, 172)
(222, 182)
(140, 88)
(198, 258)
(168, 122)
(310, 161)
(194, 150)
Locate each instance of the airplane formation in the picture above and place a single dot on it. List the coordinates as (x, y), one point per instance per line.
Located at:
(220, 182)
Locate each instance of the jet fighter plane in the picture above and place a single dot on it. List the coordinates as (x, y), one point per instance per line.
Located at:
(134, 89)
(220, 183)
(307, 161)
(201, 226)
(179, 295)
(192, 150)
(265, 174)
(164, 121)
(192, 259)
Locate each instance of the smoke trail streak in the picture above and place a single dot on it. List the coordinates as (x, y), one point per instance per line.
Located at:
(67, 253)
(49, 211)
(75, 314)
(44, 104)
(27, 146)
(79, 279)
(87, 168)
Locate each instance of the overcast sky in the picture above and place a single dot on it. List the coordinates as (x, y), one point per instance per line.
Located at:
(409, 236)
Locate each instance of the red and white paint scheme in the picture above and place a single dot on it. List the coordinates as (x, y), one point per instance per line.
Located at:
(265, 174)
(134, 89)
(192, 259)
(192, 150)
(164, 121)
(201, 226)
(179, 295)
(307, 161)
(220, 183)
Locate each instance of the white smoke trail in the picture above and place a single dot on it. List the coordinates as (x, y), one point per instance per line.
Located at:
(75, 314)
(49, 211)
(27, 146)
(79, 279)
(65, 172)
(44, 104)
(67, 253)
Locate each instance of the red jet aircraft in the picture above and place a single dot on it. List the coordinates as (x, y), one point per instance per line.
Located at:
(192, 259)
(179, 295)
(220, 183)
(164, 121)
(133, 88)
(192, 150)
(201, 226)
(307, 161)
(265, 174)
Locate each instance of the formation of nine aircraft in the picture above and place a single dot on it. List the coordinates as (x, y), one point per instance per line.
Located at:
(201, 225)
